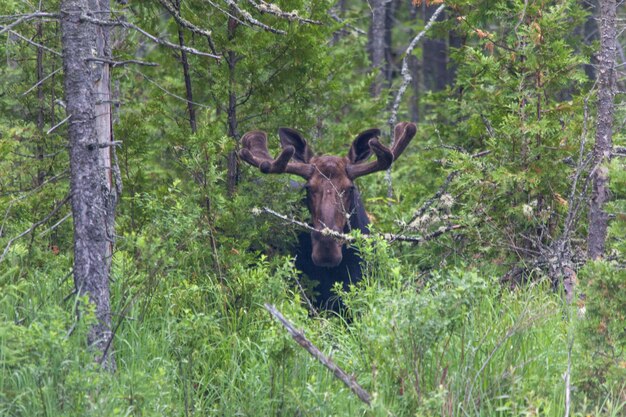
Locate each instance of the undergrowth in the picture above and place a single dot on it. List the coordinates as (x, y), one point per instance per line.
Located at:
(452, 343)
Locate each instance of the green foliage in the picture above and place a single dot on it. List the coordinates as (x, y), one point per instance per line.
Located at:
(429, 331)
(519, 95)
(602, 334)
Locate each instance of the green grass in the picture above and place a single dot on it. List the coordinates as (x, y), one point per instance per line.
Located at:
(454, 344)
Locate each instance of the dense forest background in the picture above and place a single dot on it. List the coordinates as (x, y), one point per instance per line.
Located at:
(136, 257)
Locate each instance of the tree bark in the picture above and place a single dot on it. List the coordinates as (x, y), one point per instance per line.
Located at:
(435, 56)
(87, 97)
(598, 218)
(185, 63)
(378, 43)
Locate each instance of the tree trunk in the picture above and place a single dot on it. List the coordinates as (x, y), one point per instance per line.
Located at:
(233, 163)
(87, 96)
(185, 63)
(435, 56)
(598, 218)
(378, 38)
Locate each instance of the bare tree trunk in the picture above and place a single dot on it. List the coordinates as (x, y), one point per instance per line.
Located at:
(378, 38)
(87, 96)
(435, 56)
(185, 62)
(598, 218)
(233, 163)
(40, 114)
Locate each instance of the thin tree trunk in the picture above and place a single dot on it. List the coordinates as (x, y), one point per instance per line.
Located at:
(435, 56)
(378, 38)
(87, 96)
(185, 62)
(233, 163)
(598, 218)
(40, 114)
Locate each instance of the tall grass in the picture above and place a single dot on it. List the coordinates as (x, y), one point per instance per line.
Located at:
(453, 343)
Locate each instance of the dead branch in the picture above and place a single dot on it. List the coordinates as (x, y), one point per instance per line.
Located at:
(270, 8)
(184, 23)
(337, 19)
(114, 63)
(33, 227)
(298, 336)
(347, 238)
(25, 18)
(155, 39)
(251, 20)
(33, 43)
(169, 93)
(41, 81)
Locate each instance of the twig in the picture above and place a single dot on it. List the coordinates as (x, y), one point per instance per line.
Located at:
(41, 81)
(337, 19)
(33, 227)
(298, 336)
(54, 226)
(122, 63)
(53, 128)
(25, 18)
(35, 44)
(169, 93)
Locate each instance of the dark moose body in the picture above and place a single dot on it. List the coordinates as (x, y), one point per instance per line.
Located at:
(332, 197)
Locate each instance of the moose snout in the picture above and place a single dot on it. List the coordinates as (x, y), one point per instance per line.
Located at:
(326, 251)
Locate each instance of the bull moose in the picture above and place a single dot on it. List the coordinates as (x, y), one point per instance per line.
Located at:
(332, 198)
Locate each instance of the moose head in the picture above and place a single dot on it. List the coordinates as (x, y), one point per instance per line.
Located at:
(330, 179)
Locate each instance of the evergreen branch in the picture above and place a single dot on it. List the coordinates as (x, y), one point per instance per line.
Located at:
(298, 336)
(155, 39)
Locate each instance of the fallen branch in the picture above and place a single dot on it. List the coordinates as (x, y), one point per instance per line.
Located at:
(298, 336)
(347, 238)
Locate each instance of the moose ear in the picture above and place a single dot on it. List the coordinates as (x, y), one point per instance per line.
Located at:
(291, 137)
(360, 150)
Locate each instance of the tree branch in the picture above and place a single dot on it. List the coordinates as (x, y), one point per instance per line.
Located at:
(153, 38)
(270, 8)
(347, 238)
(298, 336)
(33, 227)
(25, 18)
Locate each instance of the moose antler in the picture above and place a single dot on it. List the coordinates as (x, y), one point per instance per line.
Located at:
(403, 133)
(255, 153)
